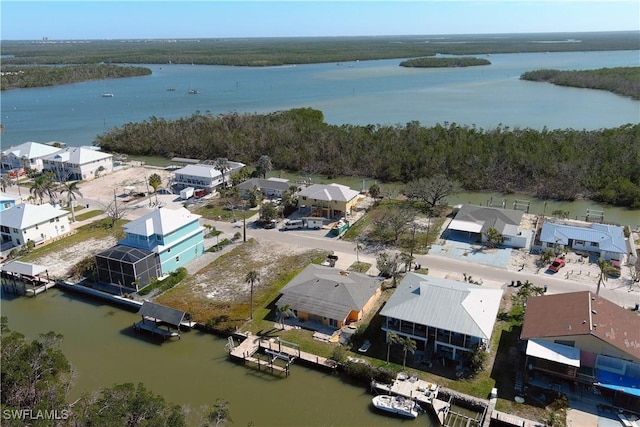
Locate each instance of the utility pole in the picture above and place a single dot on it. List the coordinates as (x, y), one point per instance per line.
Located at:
(244, 221)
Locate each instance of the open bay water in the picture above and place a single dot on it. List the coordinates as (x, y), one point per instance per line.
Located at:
(195, 371)
(360, 93)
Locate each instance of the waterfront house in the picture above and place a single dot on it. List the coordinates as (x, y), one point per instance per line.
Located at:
(272, 187)
(329, 296)
(328, 200)
(446, 317)
(37, 223)
(582, 338)
(603, 240)
(471, 222)
(78, 163)
(164, 240)
(27, 156)
(203, 176)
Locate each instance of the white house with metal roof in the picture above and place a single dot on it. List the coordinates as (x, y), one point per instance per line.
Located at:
(38, 223)
(28, 155)
(443, 316)
(607, 241)
(328, 200)
(78, 163)
(204, 176)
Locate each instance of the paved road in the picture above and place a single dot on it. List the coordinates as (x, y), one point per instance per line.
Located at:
(438, 265)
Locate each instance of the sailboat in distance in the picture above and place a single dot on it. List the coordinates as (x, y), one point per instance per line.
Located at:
(106, 94)
(192, 91)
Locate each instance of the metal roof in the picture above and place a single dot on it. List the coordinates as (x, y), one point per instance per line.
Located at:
(610, 238)
(24, 268)
(328, 292)
(162, 313)
(447, 304)
(555, 352)
(27, 215)
(161, 221)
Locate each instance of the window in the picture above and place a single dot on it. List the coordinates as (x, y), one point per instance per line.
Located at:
(579, 242)
(304, 197)
(594, 244)
(177, 259)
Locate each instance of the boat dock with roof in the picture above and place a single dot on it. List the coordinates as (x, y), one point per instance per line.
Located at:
(160, 320)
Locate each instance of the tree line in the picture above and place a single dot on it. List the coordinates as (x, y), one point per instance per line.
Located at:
(623, 81)
(305, 50)
(551, 164)
(444, 62)
(15, 77)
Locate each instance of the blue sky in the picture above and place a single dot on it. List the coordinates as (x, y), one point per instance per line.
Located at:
(31, 20)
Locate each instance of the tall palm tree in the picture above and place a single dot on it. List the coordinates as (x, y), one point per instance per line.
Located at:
(72, 190)
(605, 269)
(392, 338)
(408, 345)
(251, 278)
(155, 181)
(264, 165)
(222, 164)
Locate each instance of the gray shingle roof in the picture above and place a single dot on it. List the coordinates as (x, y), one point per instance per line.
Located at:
(323, 291)
(447, 304)
(489, 217)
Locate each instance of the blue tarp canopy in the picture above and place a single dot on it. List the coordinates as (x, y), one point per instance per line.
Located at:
(619, 382)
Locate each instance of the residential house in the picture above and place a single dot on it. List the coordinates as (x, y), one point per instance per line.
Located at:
(7, 201)
(445, 317)
(471, 222)
(605, 241)
(582, 338)
(38, 223)
(165, 239)
(28, 156)
(271, 188)
(78, 163)
(330, 296)
(204, 176)
(328, 200)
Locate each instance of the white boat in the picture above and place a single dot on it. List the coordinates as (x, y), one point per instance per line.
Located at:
(396, 405)
(107, 95)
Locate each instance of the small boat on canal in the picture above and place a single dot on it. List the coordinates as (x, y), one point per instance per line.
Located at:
(397, 405)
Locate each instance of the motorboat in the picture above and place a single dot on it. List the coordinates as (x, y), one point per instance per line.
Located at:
(396, 405)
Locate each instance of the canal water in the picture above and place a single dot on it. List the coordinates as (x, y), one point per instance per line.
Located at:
(103, 349)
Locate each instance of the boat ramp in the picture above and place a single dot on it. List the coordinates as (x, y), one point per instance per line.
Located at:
(265, 352)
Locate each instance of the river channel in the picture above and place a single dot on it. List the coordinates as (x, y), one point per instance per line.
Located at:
(103, 349)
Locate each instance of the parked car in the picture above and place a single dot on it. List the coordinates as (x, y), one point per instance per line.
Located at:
(270, 224)
(615, 270)
(556, 265)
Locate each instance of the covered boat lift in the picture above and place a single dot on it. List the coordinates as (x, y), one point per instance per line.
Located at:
(25, 278)
(160, 320)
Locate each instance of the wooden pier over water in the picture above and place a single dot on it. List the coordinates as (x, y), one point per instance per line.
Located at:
(274, 350)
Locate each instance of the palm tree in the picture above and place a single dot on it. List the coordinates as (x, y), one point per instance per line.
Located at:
(494, 237)
(155, 181)
(5, 181)
(408, 345)
(264, 165)
(43, 186)
(283, 311)
(392, 338)
(72, 191)
(358, 248)
(222, 164)
(251, 278)
(605, 269)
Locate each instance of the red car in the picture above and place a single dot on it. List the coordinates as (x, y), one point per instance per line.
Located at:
(615, 269)
(556, 265)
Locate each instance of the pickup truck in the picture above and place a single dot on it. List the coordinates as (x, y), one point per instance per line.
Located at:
(556, 265)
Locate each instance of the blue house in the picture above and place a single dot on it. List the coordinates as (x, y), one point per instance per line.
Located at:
(155, 245)
(6, 201)
(175, 235)
(605, 241)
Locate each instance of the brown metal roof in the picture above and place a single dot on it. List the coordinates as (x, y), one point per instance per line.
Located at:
(582, 313)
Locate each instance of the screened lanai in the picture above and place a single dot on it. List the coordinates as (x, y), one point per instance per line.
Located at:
(126, 266)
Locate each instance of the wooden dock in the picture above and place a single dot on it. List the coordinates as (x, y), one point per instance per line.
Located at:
(151, 327)
(412, 388)
(273, 350)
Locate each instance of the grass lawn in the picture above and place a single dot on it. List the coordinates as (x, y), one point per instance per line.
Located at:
(90, 214)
